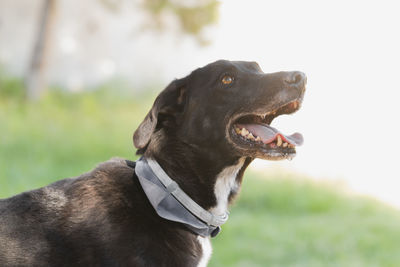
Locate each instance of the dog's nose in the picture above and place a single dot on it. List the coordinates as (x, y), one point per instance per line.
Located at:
(296, 78)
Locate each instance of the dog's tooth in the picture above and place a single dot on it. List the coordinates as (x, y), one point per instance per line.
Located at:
(285, 144)
(279, 141)
(250, 136)
(244, 132)
(258, 138)
(237, 130)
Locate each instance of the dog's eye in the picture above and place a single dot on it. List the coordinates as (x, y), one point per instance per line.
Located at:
(227, 79)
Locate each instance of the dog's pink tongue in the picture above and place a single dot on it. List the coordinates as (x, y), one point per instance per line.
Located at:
(268, 134)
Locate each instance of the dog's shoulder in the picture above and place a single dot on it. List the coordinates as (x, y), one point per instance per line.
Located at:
(115, 169)
(108, 185)
(113, 172)
(109, 179)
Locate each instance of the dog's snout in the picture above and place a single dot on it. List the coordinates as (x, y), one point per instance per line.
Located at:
(296, 78)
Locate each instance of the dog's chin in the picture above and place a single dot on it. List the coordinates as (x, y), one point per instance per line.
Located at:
(252, 136)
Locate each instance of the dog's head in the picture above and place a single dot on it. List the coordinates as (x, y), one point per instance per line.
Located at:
(226, 107)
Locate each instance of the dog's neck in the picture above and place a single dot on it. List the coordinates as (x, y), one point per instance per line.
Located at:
(210, 180)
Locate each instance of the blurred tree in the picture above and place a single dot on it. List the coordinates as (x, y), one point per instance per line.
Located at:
(35, 79)
(191, 16)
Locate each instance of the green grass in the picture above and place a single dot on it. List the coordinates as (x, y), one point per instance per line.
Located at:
(62, 136)
(279, 220)
(285, 220)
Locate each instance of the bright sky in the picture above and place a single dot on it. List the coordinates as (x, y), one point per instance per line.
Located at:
(350, 51)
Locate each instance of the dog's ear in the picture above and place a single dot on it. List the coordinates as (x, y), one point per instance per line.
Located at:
(168, 103)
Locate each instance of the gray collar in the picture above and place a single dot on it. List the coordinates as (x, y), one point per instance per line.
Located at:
(172, 203)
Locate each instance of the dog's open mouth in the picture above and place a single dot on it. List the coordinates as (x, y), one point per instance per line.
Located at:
(254, 133)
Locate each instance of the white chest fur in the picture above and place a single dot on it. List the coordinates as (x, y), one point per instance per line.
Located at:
(205, 244)
(225, 183)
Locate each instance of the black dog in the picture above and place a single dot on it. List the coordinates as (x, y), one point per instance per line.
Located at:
(203, 130)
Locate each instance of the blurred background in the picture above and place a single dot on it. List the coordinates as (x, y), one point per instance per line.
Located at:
(77, 77)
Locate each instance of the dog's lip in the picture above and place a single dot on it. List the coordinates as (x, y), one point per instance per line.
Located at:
(262, 119)
(269, 134)
(260, 150)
